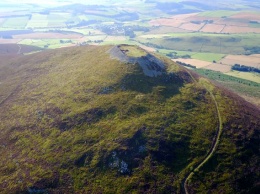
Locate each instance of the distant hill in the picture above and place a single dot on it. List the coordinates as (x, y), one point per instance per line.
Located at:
(116, 119)
(17, 49)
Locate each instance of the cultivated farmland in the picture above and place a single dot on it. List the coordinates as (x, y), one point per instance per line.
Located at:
(219, 67)
(194, 62)
(255, 77)
(210, 57)
(2, 21)
(252, 61)
(191, 26)
(15, 22)
(213, 28)
(219, 13)
(191, 32)
(240, 29)
(246, 16)
(38, 21)
(48, 35)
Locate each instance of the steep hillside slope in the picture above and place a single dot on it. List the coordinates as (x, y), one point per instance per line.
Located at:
(120, 120)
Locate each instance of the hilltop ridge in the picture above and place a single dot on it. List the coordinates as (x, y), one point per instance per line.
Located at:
(150, 65)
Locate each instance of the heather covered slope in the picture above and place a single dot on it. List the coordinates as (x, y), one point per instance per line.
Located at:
(119, 120)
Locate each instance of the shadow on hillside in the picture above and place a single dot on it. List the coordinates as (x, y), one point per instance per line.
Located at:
(165, 85)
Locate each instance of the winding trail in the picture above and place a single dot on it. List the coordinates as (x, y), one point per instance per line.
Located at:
(214, 144)
(19, 49)
(9, 95)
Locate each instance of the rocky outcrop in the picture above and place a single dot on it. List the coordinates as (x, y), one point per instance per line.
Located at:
(150, 65)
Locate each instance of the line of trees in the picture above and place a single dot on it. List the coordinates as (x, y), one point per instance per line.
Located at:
(244, 68)
(252, 50)
(186, 64)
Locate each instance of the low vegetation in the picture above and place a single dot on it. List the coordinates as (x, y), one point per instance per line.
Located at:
(242, 87)
(80, 121)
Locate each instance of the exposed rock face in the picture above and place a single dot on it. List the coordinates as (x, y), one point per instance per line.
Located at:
(150, 65)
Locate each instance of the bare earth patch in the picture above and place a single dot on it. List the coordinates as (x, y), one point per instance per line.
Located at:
(212, 28)
(191, 26)
(166, 22)
(194, 62)
(219, 67)
(251, 60)
(247, 16)
(231, 22)
(201, 18)
(240, 29)
(185, 16)
(174, 21)
(256, 55)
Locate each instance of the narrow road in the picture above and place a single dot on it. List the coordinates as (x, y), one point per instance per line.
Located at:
(213, 147)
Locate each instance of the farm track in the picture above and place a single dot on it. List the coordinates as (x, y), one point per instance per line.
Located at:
(223, 28)
(213, 147)
(202, 27)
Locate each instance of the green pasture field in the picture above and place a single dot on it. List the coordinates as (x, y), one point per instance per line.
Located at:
(52, 41)
(5, 29)
(219, 13)
(83, 17)
(16, 22)
(98, 37)
(38, 21)
(237, 84)
(84, 31)
(184, 34)
(58, 45)
(254, 25)
(129, 42)
(166, 51)
(34, 42)
(201, 34)
(2, 21)
(255, 77)
(208, 56)
(202, 42)
(195, 55)
(42, 43)
(104, 12)
(137, 22)
(57, 20)
(96, 17)
(133, 51)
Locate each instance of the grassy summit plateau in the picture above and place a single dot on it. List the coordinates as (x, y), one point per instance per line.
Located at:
(116, 119)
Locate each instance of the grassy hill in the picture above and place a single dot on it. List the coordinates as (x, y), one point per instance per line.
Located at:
(116, 119)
